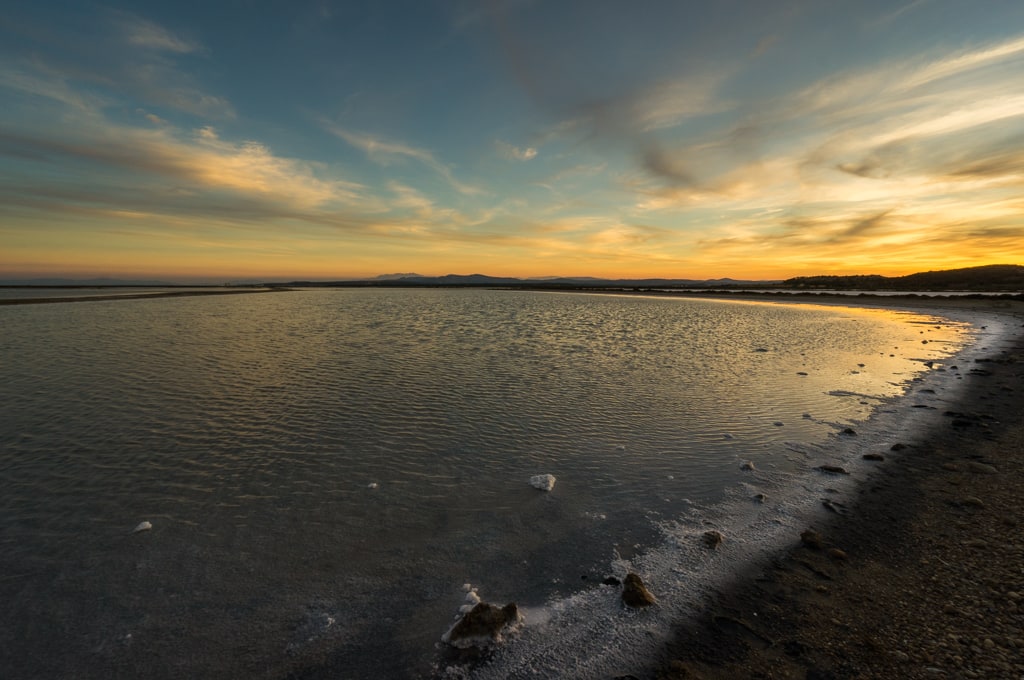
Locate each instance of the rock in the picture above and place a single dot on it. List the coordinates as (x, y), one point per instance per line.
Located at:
(981, 468)
(832, 506)
(611, 581)
(897, 447)
(812, 539)
(483, 625)
(801, 372)
(142, 526)
(635, 594)
(951, 467)
(748, 466)
(713, 539)
(760, 497)
(543, 482)
(850, 431)
(760, 349)
(834, 469)
(778, 423)
(836, 554)
(971, 502)
(873, 456)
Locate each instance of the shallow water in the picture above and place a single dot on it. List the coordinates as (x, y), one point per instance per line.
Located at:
(324, 469)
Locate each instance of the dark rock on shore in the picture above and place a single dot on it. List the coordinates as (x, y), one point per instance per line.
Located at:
(812, 539)
(635, 593)
(713, 539)
(482, 625)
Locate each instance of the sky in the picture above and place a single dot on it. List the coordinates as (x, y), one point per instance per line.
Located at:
(753, 139)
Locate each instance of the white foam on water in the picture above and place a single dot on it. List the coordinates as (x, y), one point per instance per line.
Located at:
(592, 634)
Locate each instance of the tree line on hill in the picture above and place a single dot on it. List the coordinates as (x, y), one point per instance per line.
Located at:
(988, 278)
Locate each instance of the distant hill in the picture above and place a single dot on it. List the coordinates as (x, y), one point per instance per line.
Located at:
(554, 282)
(988, 279)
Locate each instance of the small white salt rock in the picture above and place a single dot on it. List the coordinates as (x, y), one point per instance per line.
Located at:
(372, 485)
(543, 482)
(142, 526)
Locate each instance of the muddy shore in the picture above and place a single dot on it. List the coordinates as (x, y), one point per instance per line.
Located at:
(923, 577)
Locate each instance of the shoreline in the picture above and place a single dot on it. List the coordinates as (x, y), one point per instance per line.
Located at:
(928, 582)
(136, 296)
(707, 624)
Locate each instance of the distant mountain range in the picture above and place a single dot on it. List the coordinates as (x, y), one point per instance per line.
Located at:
(985, 279)
(474, 280)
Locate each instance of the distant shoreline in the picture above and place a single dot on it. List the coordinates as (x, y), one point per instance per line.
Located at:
(137, 296)
(973, 301)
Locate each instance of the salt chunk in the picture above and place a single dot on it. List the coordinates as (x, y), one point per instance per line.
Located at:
(543, 482)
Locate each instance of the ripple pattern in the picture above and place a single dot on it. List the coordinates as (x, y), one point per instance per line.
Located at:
(249, 430)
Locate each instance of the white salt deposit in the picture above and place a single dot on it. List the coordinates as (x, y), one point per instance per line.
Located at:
(543, 482)
(142, 526)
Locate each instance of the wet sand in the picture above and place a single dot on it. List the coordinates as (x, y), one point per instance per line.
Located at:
(921, 578)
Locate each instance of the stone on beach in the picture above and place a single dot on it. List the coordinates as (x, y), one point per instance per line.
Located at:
(543, 482)
(833, 469)
(981, 468)
(483, 625)
(635, 594)
(748, 466)
(713, 539)
(812, 539)
(142, 526)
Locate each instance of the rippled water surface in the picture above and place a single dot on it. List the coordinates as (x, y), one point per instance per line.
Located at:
(324, 469)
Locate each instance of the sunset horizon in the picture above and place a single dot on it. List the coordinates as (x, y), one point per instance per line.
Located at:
(520, 139)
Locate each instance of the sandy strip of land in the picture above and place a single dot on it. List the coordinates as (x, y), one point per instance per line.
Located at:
(135, 296)
(922, 578)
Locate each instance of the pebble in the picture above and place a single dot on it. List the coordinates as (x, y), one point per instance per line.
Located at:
(713, 539)
(981, 468)
(812, 539)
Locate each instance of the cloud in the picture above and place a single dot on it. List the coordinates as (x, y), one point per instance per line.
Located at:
(506, 150)
(166, 166)
(384, 151)
(137, 60)
(146, 34)
(663, 165)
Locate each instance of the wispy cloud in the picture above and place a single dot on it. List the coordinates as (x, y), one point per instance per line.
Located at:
(146, 34)
(385, 151)
(506, 150)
